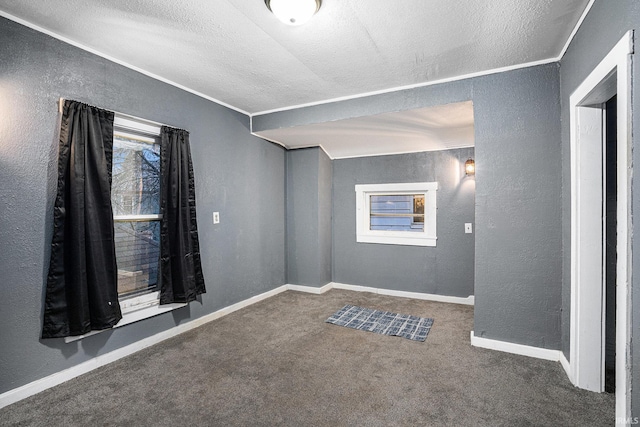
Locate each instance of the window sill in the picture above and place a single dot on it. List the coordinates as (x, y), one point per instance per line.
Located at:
(132, 314)
(397, 240)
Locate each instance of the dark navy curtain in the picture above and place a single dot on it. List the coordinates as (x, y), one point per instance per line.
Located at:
(180, 266)
(81, 291)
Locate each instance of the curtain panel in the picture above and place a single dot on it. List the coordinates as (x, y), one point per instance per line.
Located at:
(180, 266)
(81, 290)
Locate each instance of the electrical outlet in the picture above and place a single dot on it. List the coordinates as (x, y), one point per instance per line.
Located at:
(216, 217)
(468, 228)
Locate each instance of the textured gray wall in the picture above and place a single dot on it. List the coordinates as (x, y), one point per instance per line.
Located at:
(603, 27)
(236, 174)
(518, 209)
(308, 217)
(325, 211)
(518, 224)
(446, 269)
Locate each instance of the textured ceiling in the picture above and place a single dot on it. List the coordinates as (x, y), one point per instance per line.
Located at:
(237, 52)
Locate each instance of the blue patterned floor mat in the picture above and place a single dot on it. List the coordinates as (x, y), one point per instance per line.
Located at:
(382, 322)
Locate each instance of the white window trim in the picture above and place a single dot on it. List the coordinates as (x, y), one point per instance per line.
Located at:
(410, 238)
(135, 124)
(134, 218)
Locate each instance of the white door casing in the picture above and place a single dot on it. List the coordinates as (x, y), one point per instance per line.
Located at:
(611, 77)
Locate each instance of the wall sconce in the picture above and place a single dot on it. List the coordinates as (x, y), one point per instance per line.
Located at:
(470, 167)
(293, 12)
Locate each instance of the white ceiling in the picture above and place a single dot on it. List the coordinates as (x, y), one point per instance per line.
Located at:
(426, 129)
(237, 53)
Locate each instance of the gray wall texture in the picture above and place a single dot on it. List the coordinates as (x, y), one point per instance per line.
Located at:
(308, 217)
(518, 219)
(236, 174)
(603, 27)
(518, 212)
(325, 219)
(446, 269)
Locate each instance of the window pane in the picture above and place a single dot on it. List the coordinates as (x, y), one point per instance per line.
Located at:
(137, 255)
(391, 212)
(135, 189)
(418, 208)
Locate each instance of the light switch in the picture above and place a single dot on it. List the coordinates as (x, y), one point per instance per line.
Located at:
(216, 217)
(468, 228)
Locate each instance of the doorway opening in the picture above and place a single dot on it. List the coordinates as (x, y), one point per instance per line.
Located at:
(600, 126)
(610, 221)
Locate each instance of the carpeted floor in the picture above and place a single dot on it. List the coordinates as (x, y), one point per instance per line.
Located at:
(278, 363)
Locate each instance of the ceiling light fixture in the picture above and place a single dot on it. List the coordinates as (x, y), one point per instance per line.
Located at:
(293, 12)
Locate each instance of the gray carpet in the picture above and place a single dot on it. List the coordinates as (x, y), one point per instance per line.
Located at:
(278, 363)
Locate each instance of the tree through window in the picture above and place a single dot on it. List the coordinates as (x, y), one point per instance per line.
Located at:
(135, 198)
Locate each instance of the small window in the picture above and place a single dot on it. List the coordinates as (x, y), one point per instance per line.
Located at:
(135, 198)
(397, 214)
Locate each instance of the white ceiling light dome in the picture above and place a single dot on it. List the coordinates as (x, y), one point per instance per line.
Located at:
(293, 12)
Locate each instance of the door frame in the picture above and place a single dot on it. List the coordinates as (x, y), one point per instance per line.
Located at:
(586, 365)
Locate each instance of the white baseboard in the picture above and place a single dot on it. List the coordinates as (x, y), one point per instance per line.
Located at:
(310, 289)
(566, 366)
(404, 294)
(42, 384)
(523, 350)
(37, 386)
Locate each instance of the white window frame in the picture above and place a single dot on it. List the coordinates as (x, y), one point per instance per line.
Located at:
(364, 234)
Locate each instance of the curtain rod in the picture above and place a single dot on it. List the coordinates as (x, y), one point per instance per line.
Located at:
(128, 116)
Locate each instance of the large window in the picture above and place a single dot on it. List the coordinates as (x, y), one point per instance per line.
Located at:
(397, 214)
(127, 260)
(135, 197)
